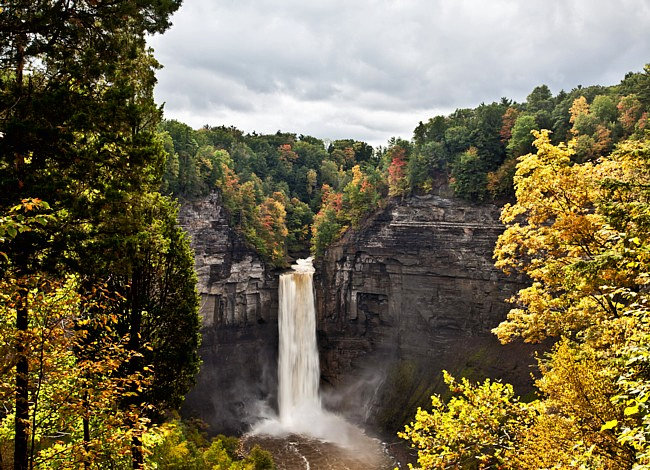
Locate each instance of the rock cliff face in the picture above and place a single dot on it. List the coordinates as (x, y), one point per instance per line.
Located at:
(239, 317)
(411, 292)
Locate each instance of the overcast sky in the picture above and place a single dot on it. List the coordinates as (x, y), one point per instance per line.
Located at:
(371, 69)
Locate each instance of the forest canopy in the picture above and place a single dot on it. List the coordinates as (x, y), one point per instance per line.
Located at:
(289, 193)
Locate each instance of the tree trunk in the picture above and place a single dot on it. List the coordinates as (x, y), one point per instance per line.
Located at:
(86, 426)
(21, 422)
(136, 452)
(135, 328)
(21, 40)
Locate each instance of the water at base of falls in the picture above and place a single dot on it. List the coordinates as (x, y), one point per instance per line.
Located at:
(296, 452)
(302, 429)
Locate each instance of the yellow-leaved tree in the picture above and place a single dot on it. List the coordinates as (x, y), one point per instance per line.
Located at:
(73, 364)
(478, 428)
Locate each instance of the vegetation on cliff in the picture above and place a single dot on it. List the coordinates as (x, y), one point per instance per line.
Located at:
(286, 192)
(579, 231)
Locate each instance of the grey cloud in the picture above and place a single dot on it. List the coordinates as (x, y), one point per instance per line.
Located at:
(352, 65)
(201, 90)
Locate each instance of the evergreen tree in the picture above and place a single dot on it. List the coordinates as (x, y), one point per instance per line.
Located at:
(79, 131)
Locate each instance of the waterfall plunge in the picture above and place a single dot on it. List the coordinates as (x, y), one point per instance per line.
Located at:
(299, 405)
(298, 370)
(301, 417)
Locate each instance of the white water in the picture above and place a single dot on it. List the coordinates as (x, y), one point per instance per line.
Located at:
(302, 429)
(298, 369)
(299, 404)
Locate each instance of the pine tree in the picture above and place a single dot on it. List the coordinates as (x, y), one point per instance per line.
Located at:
(78, 129)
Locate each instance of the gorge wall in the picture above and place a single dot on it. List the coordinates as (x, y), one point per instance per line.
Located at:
(409, 293)
(239, 321)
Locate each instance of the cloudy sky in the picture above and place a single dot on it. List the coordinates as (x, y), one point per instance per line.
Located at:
(371, 69)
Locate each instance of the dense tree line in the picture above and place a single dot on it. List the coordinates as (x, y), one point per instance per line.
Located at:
(274, 186)
(288, 192)
(476, 150)
(98, 305)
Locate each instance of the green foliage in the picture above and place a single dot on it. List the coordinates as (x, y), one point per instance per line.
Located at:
(477, 428)
(51, 149)
(540, 105)
(151, 266)
(325, 230)
(272, 185)
(540, 99)
(352, 152)
(261, 459)
(429, 160)
(331, 175)
(262, 220)
(98, 308)
(521, 141)
(486, 134)
(500, 182)
(29, 215)
(79, 131)
(299, 221)
(457, 139)
(604, 109)
(585, 124)
(468, 176)
(183, 446)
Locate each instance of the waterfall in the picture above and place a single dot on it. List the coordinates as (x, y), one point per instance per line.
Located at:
(298, 369)
(299, 405)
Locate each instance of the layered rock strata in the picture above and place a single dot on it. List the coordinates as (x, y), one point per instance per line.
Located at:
(413, 291)
(239, 321)
(409, 293)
